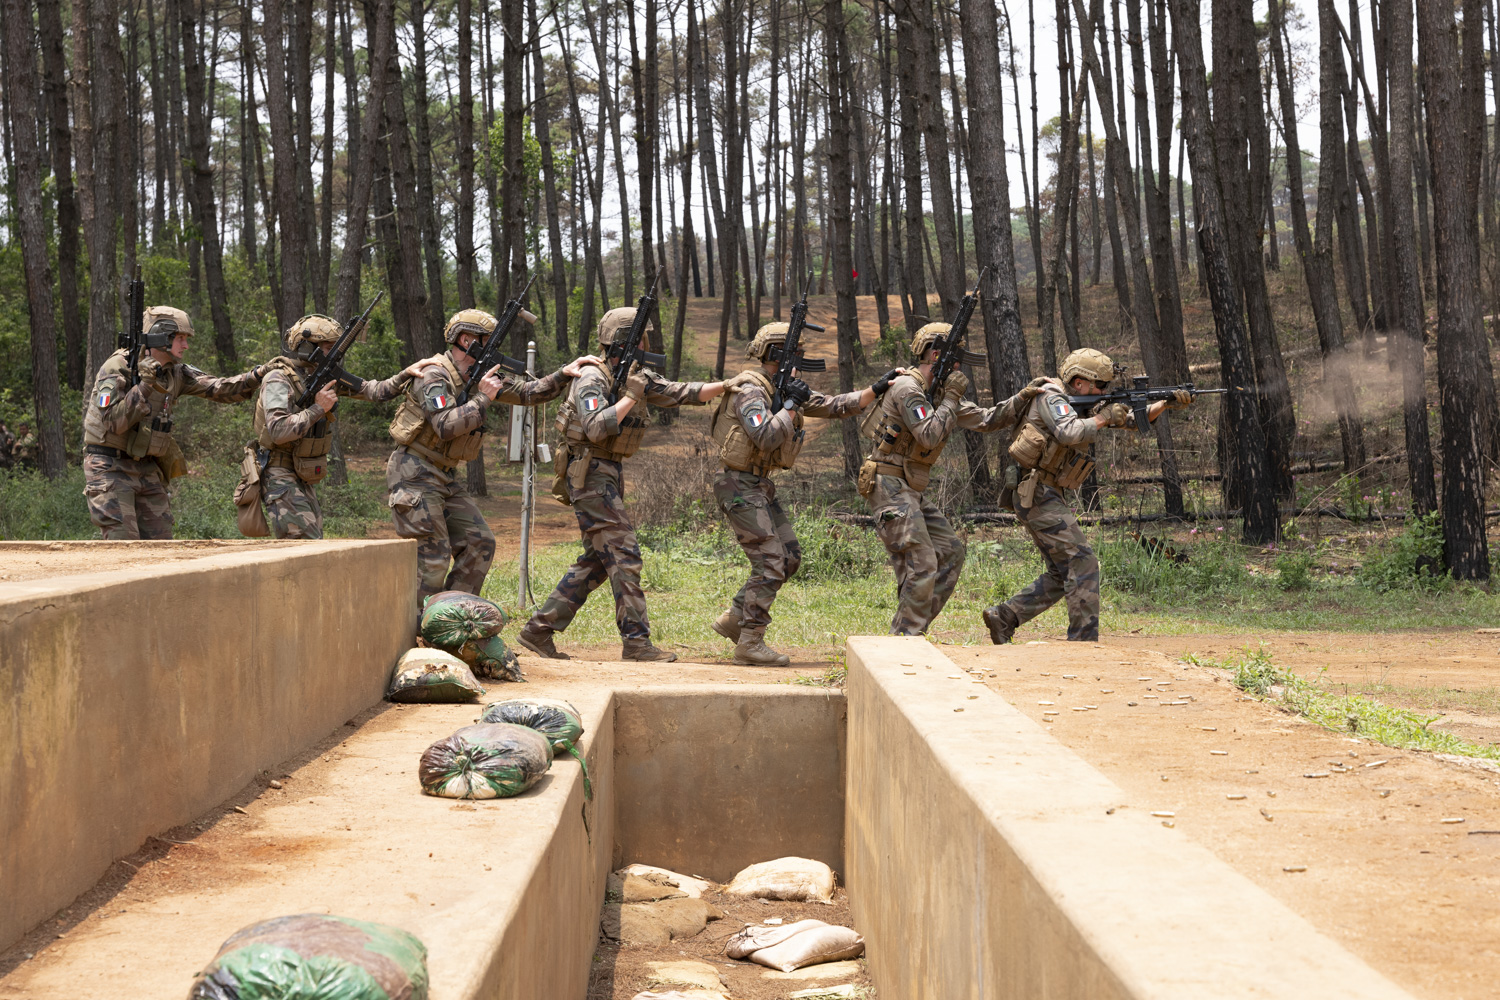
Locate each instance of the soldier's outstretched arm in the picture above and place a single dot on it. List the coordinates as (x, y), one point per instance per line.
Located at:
(661, 392)
(1001, 416)
(233, 389)
(378, 392)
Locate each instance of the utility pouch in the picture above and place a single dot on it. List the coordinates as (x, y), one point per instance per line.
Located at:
(918, 475)
(248, 513)
(1027, 446)
(310, 469)
(1025, 493)
(867, 476)
(138, 441)
(560, 491)
(1007, 498)
(172, 462)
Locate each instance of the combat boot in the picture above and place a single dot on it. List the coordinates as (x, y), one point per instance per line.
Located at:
(539, 641)
(728, 625)
(1002, 623)
(751, 650)
(641, 649)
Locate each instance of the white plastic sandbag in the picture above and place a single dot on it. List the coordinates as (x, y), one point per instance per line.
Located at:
(807, 942)
(799, 880)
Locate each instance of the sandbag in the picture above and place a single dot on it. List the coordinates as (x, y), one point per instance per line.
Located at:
(557, 720)
(486, 761)
(808, 943)
(791, 879)
(316, 957)
(491, 658)
(454, 617)
(431, 675)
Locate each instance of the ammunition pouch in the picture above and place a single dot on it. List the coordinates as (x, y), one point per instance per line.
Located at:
(866, 481)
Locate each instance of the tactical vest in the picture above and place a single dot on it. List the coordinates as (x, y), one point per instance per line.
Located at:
(1056, 464)
(897, 452)
(612, 449)
(411, 430)
(305, 456)
(736, 450)
(152, 437)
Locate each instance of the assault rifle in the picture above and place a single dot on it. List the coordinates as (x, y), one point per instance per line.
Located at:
(1139, 396)
(331, 368)
(131, 337)
(950, 354)
(787, 355)
(489, 355)
(628, 351)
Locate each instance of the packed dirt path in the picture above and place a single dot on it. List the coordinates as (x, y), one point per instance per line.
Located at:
(1358, 847)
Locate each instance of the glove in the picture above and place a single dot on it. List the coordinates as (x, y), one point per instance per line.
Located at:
(797, 392)
(1117, 415)
(635, 385)
(1039, 383)
(151, 375)
(260, 372)
(955, 386)
(1181, 400)
(883, 383)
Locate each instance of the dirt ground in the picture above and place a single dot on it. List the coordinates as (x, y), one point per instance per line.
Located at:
(1358, 838)
(620, 972)
(39, 561)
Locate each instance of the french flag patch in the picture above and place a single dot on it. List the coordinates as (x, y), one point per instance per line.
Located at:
(441, 400)
(921, 411)
(757, 418)
(592, 403)
(106, 397)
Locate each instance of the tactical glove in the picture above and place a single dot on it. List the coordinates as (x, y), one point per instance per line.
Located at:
(797, 392)
(956, 386)
(1181, 400)
(635, 385)
(1117, 415)
(883, 383)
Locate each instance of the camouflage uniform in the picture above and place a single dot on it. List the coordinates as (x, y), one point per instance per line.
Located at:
(747, 496)
(7, 443)
(23, 452)
(290, 438)
(596, 487)
(1072, 571)
(429, 497)
(926, 554)
(129, 455)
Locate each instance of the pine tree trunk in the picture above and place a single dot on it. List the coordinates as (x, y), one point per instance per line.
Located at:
(292, 295)
(427, 210)
(841, 189)
(362, 183)
(200, 172)
(408, 247)
(542, 120)
(464, 223)
(55, 87)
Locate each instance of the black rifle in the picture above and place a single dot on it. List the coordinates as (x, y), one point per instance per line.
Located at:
(489, 355)
(1140, 396)
(131, 336)
(628, 351)
(950, 354)
(787, 355)
(331, 369)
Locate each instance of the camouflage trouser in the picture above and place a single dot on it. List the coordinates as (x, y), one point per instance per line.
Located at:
(764, 532)
(925, 552)
(292, 509)
(1072, 568)
(436, 509)
(610, 552)
(127, 497)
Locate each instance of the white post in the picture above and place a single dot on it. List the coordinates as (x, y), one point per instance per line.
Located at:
(528, 485)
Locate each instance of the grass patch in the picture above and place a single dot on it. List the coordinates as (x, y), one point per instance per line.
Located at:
(1350, 714)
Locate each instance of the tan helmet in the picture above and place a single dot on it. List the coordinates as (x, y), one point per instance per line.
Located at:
(1089, 363)
(767, 337)
(476, 321)
(614, 323)
(303, 336)
(926, 337)
(164, 323)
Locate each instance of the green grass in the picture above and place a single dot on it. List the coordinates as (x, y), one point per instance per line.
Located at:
(1350, 714)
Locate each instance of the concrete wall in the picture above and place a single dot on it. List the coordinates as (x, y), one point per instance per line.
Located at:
(984, 861)
(709, 780)
(132, 701)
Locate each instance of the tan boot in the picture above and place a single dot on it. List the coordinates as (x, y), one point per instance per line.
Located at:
(728, 625)
(641, 649)
(539, 641)
(752, 651)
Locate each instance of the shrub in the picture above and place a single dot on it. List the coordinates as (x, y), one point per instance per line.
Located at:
(1413, 560)
(1214, 566)
(1294, 570)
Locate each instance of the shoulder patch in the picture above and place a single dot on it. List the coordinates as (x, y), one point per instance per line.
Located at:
(591, 399)
(1059, 407)
(755, 413)
(438, 396)
(276, 392)
(918, 409)
(106, 392)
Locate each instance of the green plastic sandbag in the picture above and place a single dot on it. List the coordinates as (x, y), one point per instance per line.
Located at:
(487, 761)
(453, 617)
(555, 719)
(316, 957)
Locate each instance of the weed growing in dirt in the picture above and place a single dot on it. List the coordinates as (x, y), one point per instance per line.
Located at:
(1256, 674)
(1412, 561)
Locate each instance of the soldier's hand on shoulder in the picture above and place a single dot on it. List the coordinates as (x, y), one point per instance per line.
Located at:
(956, 386)
(798, 392)
(880, 385)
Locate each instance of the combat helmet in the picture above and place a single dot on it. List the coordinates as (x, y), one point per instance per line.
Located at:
(476, 321)
(1093, 365)
(161, 323)
(305, 336)
(928, 336)
(765, 338)
(614, 323)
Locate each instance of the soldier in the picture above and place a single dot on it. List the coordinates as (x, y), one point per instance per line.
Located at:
(129, 454)
(435, 434)
(599, 435)
(23, 450)
(7, 443)
(294, 443)
(758, 433)
(926, 554)
(1052, 445)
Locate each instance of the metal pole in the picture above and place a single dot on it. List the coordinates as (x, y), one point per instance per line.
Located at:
(528, 486)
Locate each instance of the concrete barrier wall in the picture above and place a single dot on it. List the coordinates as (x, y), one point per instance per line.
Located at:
(985, 859)
(132, 701)
(710, 780)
